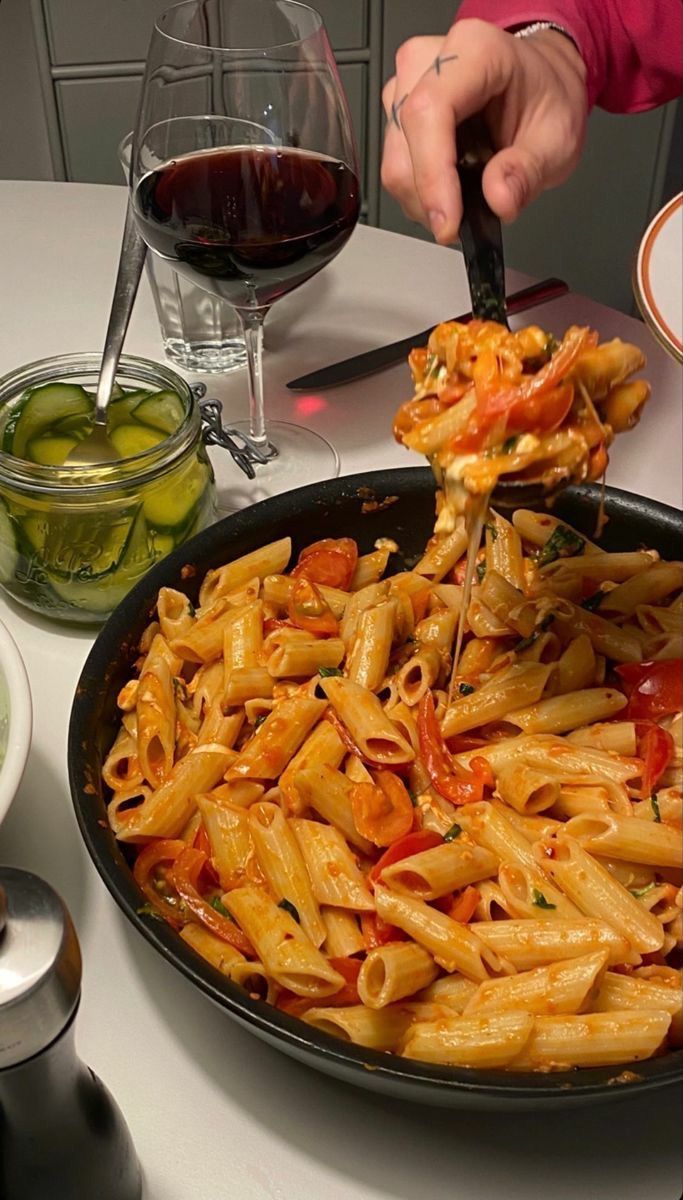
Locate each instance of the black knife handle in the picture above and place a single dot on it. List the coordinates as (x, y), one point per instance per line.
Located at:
(480, 229)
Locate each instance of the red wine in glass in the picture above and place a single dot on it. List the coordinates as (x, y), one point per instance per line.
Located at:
(250, 223)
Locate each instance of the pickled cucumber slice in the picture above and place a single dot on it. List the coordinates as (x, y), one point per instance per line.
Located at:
(129, 439)
(72, 545)
(168, 504)
(100, 594)
(50, 451)
(9, 554)
(121, 411)
(162, 410)
(43, 408)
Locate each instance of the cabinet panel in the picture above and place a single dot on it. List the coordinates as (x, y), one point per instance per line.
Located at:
(102, 31)
(96, 113)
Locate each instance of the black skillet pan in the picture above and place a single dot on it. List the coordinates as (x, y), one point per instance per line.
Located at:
(332, 509)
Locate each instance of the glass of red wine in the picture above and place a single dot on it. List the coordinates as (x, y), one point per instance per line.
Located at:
(244, 177)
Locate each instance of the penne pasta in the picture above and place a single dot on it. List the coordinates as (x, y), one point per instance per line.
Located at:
(283, 867)
(336, 879)
(389, 973)
(592, 1040)
(490, 1041)
(443, 869)
(567, 986)
(453, 946)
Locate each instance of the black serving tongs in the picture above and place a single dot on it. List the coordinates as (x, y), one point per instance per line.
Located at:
(481, 237)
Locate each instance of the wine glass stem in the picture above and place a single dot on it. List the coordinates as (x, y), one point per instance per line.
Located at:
(252, 325)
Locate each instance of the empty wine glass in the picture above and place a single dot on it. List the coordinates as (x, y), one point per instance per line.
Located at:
(244, 176)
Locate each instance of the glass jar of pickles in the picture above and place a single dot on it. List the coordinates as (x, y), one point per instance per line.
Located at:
(74, 539)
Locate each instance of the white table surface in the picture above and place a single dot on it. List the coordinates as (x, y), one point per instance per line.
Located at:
(216, 1114)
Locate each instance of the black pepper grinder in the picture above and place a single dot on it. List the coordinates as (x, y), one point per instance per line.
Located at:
(62, 1136)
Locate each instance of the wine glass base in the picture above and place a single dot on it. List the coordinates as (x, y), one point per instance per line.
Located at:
(302, 457)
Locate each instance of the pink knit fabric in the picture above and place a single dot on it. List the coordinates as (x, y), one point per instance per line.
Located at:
(633, 49)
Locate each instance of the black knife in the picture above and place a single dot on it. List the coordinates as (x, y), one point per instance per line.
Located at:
(371, 361)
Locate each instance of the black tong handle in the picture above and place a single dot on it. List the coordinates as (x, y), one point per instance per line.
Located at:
(481, 235)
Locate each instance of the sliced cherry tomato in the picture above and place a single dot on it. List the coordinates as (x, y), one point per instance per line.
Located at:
(201, 841)
(271, 624)
(463, 908)
(495, 402)
(656, 688)
(331, 561)
(184, 876)
(541, 413)
(307, 610)
(165, 850)
(656, 748)
(453, 782)
(413, 411)
(377, 932)
(598, 461)
(405, 847)
(382, 811)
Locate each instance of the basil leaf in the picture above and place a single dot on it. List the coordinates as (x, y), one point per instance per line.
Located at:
(638, 892)
(191, 609)
(655, 808)
(148, 910)
(454, 832)
(539, 899)
(492, 530)
(509, 444)
(259, 720)
(524, 643)
(562, 543)
(481, 569)
(290, 908)
(328, 672)
(219, 906)
(465, 689)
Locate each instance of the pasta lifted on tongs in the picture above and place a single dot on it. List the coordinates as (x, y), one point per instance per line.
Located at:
(494, 405)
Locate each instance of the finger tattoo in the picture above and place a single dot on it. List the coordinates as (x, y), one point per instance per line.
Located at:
(441, 60)
(395, 110)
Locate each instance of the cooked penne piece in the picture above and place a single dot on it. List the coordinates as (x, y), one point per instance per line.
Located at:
(203, 641)
(220, 954)
(528, 944)
(322, 746)
(576, 666)
(232, 846)
(496, 698)
(591, 887)
(533, 827)
(504, 550)
(121, 767)
(592, 1040)
(357, 603)
(559, 714)
(619, 992)
(508, 604)
(452, 945)
(166, 810)
(650, 587)
(418, 674)
(376, 736)
(334, 874)
(567, 986)
(433, 873)
(622, 406)
(490, 1041)
(276, 741)
(283, 867)
(267, 560)
(380, 1029)
(615, 836)
(328, 792)
(606, 637)
(389, 973)
(175, 613)
(304, 657)
(243, 638)
(248, 683)
(442, 554)
(254, 978)
(526, 895)
(281, 944)
(276, 591)
(489, 827)
(525, 788)
(560, 758)
(616, 736)
(451, 991)
(343, 937)
(600, 567)
(369, 568)
(371, 646)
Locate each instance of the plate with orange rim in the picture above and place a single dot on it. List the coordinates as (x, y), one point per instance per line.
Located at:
(657, 276)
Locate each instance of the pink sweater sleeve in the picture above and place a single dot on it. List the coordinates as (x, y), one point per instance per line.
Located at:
(631, 48)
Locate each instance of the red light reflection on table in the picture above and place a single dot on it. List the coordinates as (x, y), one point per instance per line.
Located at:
(308, 406)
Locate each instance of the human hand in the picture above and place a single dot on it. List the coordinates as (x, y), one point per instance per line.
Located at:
(532, 92)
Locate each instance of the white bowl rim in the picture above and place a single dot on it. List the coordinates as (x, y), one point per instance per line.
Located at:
(20, 719)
